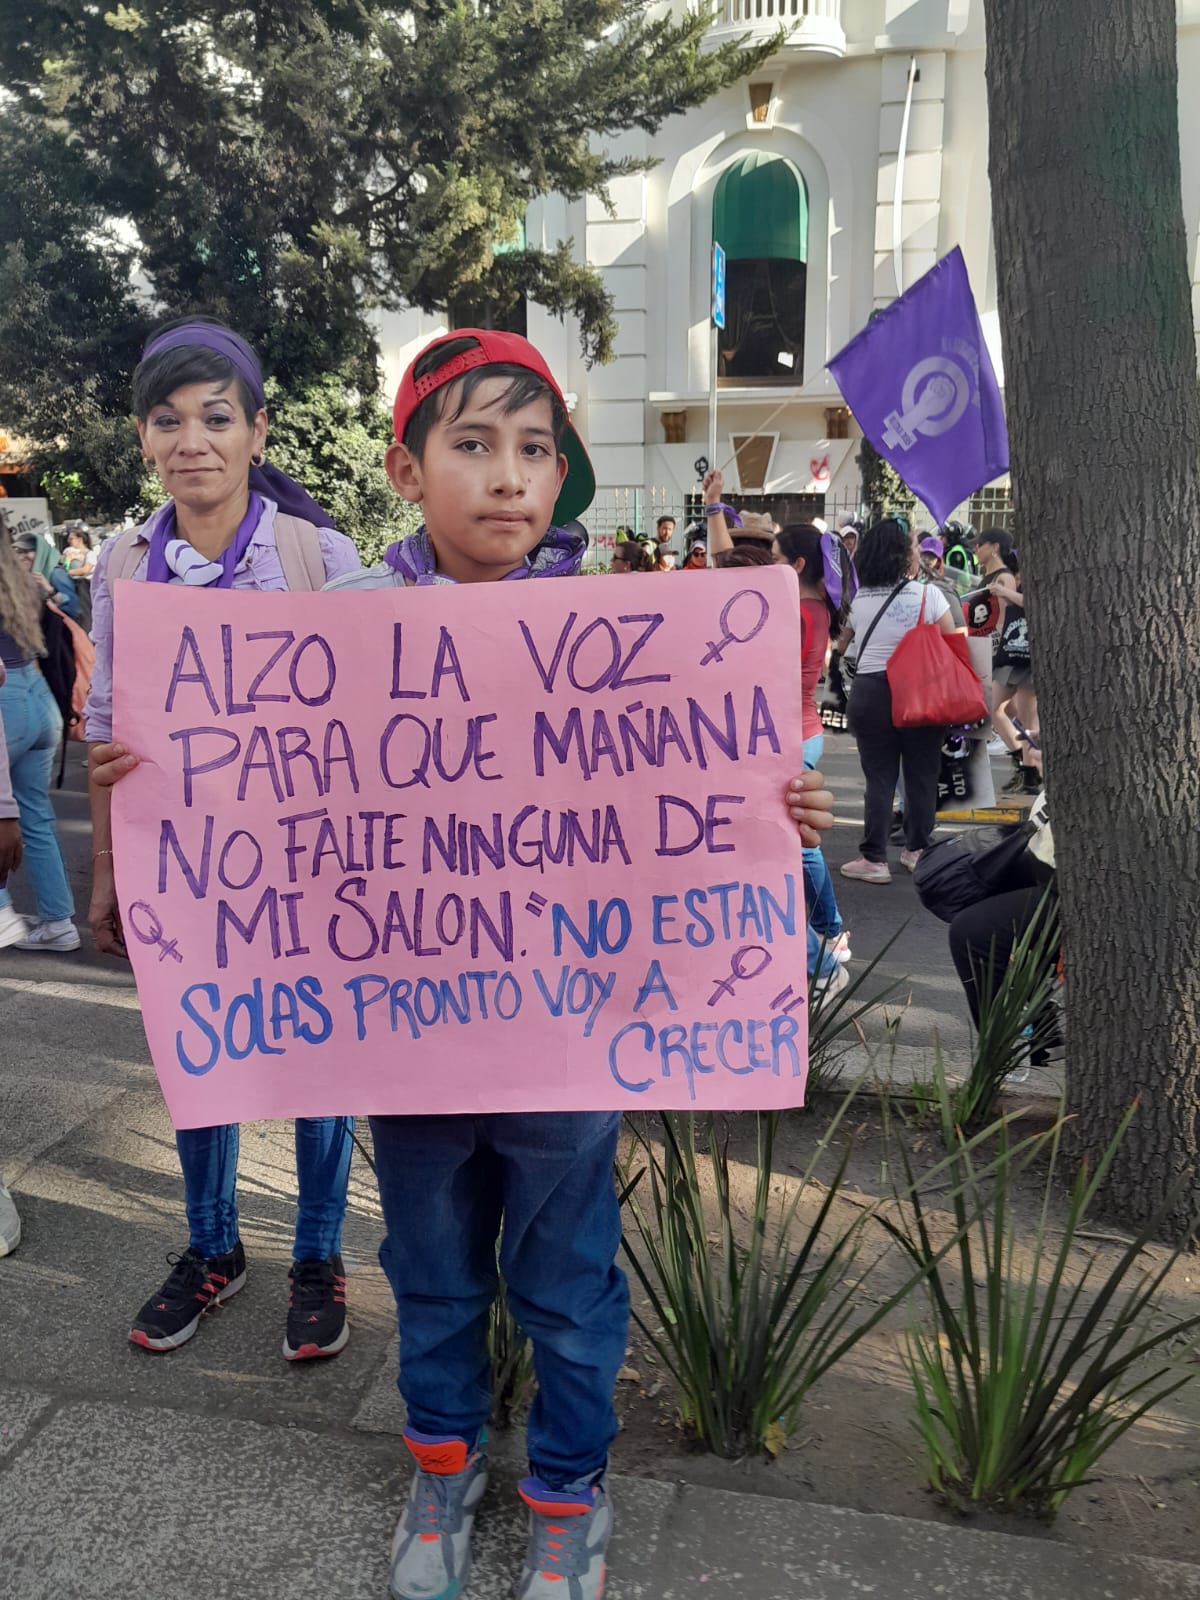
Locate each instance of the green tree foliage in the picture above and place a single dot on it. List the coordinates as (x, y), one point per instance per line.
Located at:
(289, 168)
(883, 489)
(332, 441)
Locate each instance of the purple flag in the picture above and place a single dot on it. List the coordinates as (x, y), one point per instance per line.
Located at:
(920, 382)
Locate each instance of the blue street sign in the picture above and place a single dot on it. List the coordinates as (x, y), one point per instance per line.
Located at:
(718, 281)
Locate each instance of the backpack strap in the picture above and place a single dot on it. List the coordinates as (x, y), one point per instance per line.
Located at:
(299, 546)
(128, 549)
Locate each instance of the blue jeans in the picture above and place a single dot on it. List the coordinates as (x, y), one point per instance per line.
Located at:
(209, 1158)
(447, 1185)
(824, 918)
(32, 730)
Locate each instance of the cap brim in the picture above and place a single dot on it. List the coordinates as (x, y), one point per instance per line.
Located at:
(579, 485)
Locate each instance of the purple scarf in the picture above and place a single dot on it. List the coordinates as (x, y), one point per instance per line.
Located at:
(833, 551)
(269, 481)
(558, 555)
(173, 560)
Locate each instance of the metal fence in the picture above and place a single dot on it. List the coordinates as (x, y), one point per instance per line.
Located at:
(623, 512)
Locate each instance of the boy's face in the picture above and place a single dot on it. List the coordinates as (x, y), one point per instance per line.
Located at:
(486, 483)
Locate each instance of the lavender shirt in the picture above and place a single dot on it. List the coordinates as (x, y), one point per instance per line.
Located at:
(260, 569)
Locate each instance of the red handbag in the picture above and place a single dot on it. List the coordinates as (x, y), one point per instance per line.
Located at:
(932, 680)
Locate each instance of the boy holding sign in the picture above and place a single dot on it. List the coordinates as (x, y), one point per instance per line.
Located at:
(485, 446)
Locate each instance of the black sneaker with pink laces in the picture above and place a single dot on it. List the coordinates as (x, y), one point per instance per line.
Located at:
(316, 1324)
(171, 1316)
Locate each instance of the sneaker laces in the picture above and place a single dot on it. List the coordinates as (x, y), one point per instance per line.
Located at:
(430, 1509)
(188, 1271)
(557, 1546)
(312, 1283)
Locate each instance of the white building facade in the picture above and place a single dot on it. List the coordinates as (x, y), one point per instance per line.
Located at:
(836, 174)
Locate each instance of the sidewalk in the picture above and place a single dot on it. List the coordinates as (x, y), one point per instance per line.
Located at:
(220, 1470)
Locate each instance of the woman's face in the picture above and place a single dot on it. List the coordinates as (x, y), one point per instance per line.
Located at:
(619, 564)
(201, 444)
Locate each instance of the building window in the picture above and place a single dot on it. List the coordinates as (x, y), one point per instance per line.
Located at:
(760, 218)
(490, 304)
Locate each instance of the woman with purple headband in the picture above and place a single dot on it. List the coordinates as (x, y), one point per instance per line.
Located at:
(229, 522)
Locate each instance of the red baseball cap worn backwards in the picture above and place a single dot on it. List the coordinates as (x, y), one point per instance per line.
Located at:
(495, 349)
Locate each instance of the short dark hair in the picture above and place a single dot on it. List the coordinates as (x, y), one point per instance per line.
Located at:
(884, 554)
(752, 554)
(666, 517)
(524, 387)
(638, 557)
(801, 541)
(1000, 537)
(157, 377)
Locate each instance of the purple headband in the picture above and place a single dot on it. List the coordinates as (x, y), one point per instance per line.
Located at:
(210, 336)
(269, 481)
(832, 552)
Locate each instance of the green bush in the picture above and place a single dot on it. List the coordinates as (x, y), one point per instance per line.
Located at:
(332, 441)
(746, 1330)
(1025, 1379)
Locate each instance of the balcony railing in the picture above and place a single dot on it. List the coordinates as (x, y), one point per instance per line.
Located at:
(809, 24)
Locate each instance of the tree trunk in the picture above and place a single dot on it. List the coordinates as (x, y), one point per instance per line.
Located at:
(1104, 421)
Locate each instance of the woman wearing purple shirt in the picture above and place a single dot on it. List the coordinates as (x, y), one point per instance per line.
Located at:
(230, 523)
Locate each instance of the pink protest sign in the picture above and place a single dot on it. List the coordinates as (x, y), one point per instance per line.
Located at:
(498, 847)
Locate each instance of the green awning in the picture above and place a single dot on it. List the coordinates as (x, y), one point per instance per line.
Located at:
(760, 210)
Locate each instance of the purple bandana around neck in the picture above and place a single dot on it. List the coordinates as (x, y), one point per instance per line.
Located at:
(160, 570)
(558, 555)
(832, 552)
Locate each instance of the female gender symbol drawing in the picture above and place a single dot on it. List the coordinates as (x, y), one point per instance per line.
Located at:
(152, 932)
(717, 647)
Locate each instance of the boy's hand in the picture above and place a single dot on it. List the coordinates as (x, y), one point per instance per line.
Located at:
(109, 763)
(714, 486)
(10, 846)
(810, 806)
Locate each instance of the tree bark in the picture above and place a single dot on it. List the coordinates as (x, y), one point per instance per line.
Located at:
(1104, 423)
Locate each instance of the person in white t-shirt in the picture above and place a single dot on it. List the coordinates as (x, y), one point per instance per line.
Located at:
(887, 605)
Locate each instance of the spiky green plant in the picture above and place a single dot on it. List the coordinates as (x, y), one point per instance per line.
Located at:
(747, 1329)
(835, 1020)
(1026, 1377)
(1019, 997)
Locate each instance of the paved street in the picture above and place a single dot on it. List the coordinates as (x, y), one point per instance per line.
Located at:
(223, 1470)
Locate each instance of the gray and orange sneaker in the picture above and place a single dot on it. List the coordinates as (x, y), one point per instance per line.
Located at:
(568, 1540)
(431, 1548)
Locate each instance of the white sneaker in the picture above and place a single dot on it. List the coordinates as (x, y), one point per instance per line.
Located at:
(996, 746)
(909, 858)
(828, 983)
(10, 1223)
(840, 948)
(867, 871)
(61, 934)
(13, 927)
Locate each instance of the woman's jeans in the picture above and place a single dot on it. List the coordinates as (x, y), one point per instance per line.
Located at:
(209, 1158)
(540, 1185)
(32, 730)
(882, 751)
(824, 918)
